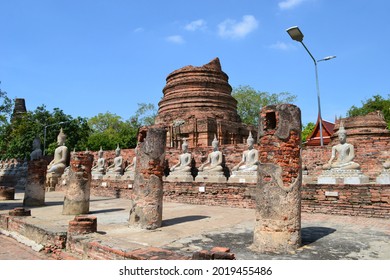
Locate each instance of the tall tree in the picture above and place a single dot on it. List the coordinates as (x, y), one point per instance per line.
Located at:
(18, 136)
(375, 103)
(6, 105)
(145, 114)
(250, 102)
(307, 130)
(109, 130)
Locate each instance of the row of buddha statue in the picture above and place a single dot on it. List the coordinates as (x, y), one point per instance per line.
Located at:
(12, 167)
(116, 170)
(212, 169)
(340, 165)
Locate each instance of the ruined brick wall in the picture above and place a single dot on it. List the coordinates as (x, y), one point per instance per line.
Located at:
(367, 200)
(352, 200)
(213, 194)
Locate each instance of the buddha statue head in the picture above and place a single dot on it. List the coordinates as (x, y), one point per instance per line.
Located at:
(250, 141)
(117, 151)
(215, 143)
(184, 146)
(342, 133)
(61, 138)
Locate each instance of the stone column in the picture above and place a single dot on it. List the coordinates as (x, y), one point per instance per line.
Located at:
(34, 194)
(278, 192)
(77, 195)
(147, 201)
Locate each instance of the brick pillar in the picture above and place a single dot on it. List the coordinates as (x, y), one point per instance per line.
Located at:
(7, 193)
(77, 194)
(82, 225)
(278, 192)
(147, 200)
(34, 194)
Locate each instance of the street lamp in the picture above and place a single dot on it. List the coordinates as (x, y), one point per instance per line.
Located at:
(296, 34)
(44, 134)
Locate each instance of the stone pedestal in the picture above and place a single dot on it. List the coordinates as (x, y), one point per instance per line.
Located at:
(243, 177)
(34, 194)
(128, 175)
(52, 181)
(384, 177)
(77, 195)
(112, 176)
(147, 201)
(278, 192)
(210, 177)
(97, 176)
(342, 176)
(179, 177)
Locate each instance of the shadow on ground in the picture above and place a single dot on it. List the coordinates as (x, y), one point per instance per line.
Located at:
(184, 219)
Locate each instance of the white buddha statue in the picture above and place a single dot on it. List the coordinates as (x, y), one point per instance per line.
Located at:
(184, 164)
(214, 159)
(344, 153)
(57, 166)
(99, 167)
(117, 166)
(250, 157)
(181, 172)
(129, 173)
(211, 170)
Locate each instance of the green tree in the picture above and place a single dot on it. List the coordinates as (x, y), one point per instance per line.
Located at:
(18, 136)
(145, 114)
(376, 103)
(109, 130)
(307, 130)
(6, 105)
(250, 102)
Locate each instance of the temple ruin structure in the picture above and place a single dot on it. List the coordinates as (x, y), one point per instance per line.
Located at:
(197, 105)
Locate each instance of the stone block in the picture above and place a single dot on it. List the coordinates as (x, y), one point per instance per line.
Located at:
(179, 177)
(210, 177)
(243, 177)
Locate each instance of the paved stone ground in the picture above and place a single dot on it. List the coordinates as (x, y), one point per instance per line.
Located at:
(190, 228)
(11, 249)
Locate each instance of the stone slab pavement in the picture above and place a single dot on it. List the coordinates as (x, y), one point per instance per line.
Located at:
(190, 228)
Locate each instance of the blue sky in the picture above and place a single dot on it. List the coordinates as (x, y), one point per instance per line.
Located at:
(92, 56)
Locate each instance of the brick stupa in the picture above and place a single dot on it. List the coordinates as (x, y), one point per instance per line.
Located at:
(198, 104)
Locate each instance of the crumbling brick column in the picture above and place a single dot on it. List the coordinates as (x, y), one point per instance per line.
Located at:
(278, 192)
(7, 193)
(147, 201)
(77, 195)
(82, 225)
(20, 212)
(34, 194)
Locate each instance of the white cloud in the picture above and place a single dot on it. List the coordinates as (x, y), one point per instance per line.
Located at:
(199, 24)
(139, 29)
(176, 39)
(289, 4)
(232, 29)
(281, 46)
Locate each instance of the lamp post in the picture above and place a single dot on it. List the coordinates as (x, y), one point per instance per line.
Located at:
(296, 34)
(44, 134)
